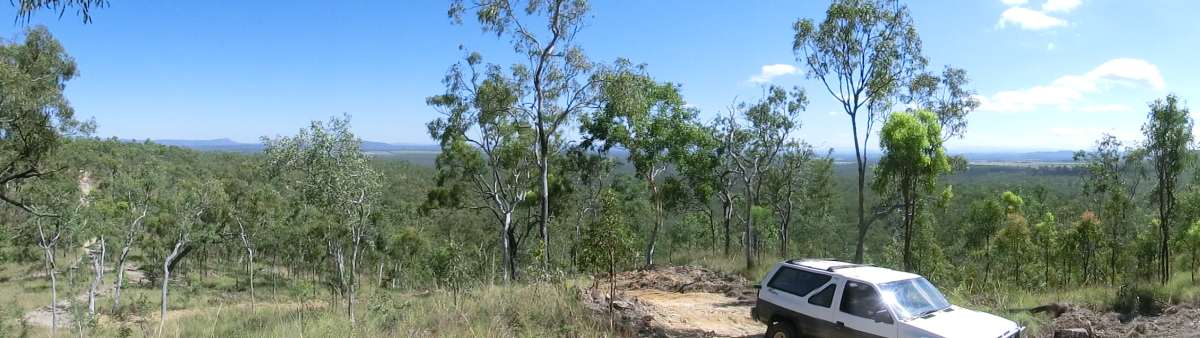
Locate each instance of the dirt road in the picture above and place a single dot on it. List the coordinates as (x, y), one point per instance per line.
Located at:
(679, 302)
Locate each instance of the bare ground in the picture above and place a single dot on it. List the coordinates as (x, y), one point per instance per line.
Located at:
(44, 316)
(1176, 321)
(681, 301)
(695, 302)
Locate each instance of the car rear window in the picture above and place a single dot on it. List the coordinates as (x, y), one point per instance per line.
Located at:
(823, 298)
(797, 282)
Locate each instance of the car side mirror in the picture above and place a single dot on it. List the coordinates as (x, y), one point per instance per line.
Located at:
(757, 286)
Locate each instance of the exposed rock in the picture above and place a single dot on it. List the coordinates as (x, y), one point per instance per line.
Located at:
(1072, 333)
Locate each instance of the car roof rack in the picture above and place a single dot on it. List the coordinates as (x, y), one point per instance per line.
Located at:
(846, 266)
(802, 260)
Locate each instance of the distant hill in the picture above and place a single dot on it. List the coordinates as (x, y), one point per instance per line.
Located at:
(998, 156)
(382, 148)
(1058, 156)
(225, 144)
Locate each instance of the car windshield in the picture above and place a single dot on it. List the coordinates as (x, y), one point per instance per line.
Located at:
(913, 297)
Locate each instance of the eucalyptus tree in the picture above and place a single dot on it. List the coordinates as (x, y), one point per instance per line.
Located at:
(58, 230)
(555, 82)
(326, 165)
(251, 210)
(1046, 238)
(587, 169)
(1168, 132)
(913, 158)
(754, 140)
(1083, 236)
(984, 217)
(700, 170)
(1111, 179)
(1191, 238)
(650, 121)
(607, 242)
(84, 8)
(725, 176)
(947, 96)
(864, 52)
(786, 186)
(124, 199)
(35, 116)
(182, 222)
(486, 162)
(1014, 239)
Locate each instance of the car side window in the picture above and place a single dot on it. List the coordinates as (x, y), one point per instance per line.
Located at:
(797, 282)
(823, 298)
(862, 300)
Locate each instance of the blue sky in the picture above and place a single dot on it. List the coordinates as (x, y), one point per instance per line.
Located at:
(1052, 74)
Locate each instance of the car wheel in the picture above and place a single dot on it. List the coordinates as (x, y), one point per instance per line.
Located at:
(781, 330)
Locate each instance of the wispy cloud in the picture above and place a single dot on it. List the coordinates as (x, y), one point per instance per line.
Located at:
(1028, 19)
(770, 72)
(1067, 91)
(1060, 5)
(1033, 19)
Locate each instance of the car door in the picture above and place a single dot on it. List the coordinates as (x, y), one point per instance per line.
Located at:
(791, 288)
(862, 313)
(819, 305)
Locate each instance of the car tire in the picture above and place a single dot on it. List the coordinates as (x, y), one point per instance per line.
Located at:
(781, 330)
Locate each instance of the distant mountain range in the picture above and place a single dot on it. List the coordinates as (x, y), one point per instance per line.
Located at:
(224, 144)
(987, 156)
(998, 156)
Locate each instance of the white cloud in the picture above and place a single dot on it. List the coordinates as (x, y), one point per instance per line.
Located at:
(1029, 19)
(1050, 46)
(1064, 92)
(770, 72)
(1014, 2)
(1060, 5)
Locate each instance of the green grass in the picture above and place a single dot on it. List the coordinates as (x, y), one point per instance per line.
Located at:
(734, 264)
(216, 307)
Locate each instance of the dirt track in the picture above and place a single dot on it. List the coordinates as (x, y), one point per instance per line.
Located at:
(695, 302)
(679, 302)
(1179, 321)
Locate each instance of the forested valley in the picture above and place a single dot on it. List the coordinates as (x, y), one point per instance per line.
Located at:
(559, 173)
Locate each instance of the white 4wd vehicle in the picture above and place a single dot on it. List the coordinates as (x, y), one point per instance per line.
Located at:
(821, 298)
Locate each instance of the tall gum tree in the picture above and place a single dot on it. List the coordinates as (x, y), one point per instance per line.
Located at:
(651, 122)
(485, 163)
(1168, 132)
(864, 52)
(913, 158)
(555, 77)
(755, 135)
(326, 165)
(35, 117)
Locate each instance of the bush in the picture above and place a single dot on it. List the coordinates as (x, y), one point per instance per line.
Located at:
(1138, 300)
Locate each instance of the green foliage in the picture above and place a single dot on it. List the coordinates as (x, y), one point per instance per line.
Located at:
(913, 159)
(35, 116)
(913, 153)
(1168, 132)
(607, 243)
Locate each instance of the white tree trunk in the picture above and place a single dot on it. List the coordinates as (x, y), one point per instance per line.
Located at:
(250, 263)
(120, 267)
(166, 279)
(49, 252)
(97, 275)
